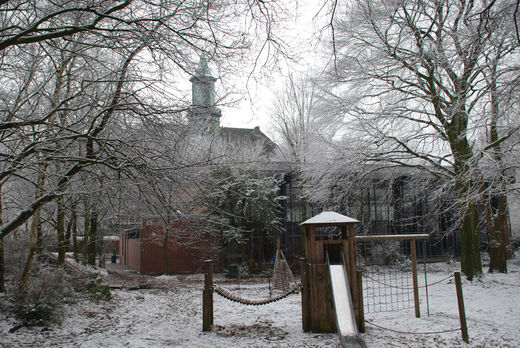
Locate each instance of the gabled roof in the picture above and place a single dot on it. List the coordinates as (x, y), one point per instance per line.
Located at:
(245, 136)
(329, 218)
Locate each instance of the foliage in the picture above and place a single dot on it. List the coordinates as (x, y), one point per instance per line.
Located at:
(96, 290)
(37, 313)
(244, 201)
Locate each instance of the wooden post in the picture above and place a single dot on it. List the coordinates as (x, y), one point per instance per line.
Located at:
(352, 271)
(306, 327)
(207, 296)
(414, 277)
(361, 318)
(462, 312)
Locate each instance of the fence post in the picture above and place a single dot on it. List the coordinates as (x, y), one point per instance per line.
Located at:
(207, 296)
(361, 319)
(414, 277)
(306, 319)
(462, 312)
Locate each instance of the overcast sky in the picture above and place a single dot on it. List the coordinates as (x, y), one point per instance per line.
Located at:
(301, 36)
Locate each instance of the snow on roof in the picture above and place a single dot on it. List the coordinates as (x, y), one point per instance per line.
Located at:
(329, 217)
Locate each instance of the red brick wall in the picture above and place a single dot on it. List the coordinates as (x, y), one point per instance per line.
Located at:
(186, 254)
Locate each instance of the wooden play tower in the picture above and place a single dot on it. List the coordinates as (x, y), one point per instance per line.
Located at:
(329, 239)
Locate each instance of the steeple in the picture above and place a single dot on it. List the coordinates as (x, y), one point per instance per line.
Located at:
(203, 112)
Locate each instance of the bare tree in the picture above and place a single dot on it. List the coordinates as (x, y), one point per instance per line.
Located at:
(68, 68)
(410, 80)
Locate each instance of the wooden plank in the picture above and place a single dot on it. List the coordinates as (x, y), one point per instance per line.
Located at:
(353, 270)
(333, 241)
(320, 257)
(391, 237)
(322, 315)
(312, 244)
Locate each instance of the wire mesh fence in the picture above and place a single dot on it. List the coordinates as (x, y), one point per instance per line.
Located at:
(387, 275)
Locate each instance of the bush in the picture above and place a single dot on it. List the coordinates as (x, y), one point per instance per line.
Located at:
(42, 302)
(37, 313)
(96, 290)
(50, 287)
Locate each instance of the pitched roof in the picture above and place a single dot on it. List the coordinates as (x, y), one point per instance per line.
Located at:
(329, 218)
(245, 136)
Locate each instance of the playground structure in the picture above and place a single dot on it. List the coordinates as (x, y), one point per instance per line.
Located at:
(331, 293)
(331, 285)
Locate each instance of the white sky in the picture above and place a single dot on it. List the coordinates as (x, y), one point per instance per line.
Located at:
(301, 36)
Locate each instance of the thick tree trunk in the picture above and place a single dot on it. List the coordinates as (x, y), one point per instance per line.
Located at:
(465, 190)
(497, 222)
(497, 216)
(470, 252)
(60, 227)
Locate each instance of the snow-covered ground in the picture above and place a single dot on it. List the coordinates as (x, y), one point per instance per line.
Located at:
(169, 315)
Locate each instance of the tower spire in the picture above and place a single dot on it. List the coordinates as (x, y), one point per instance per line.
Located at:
(203, 111)
(203, 68)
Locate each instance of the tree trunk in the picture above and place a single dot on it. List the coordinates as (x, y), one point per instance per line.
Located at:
(86, 231)
(465, 189)
(68, 235)
(39, 238)
(497, 232)
(60, 227)
(2, 259)
(470, 264)
(496, 216)
(165, 252)
(253, 267)
(74, 231)
(92, 238)
(33, 234)
(2, 265)
(24, 281)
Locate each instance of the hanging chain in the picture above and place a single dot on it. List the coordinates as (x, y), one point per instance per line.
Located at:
(227, 295)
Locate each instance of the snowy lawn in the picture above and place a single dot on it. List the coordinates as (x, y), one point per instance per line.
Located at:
(169, 315)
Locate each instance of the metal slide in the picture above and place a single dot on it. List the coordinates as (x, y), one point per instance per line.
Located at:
(345, 318)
